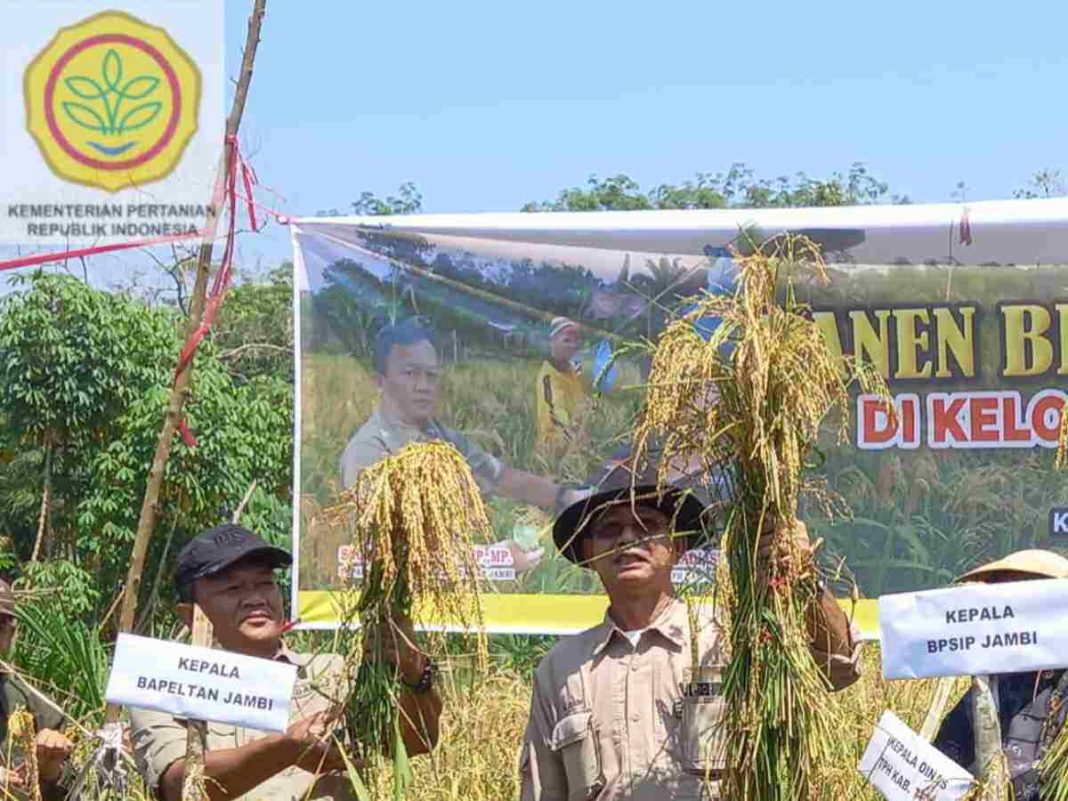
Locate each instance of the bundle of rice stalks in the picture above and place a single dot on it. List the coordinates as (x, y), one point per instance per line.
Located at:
(22, 750)
(416, 517)
(749, 398)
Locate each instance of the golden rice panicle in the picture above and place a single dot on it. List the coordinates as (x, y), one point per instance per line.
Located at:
(415, 517)
(751, 400)
(23, 735)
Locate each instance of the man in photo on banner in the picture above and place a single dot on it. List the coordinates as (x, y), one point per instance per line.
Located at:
(229, 572)
(615, 713)
(51, 745)
(560, 389)
(408, 376)
(1031, 705)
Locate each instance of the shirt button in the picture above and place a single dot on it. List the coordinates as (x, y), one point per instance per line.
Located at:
(633, 668)
(634, 717)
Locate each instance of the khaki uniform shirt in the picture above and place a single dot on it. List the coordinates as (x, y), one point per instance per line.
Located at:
(612, 721)
(159, 739)
(382, 436)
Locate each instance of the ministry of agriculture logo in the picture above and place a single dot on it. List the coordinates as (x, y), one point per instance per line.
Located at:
(112, 102)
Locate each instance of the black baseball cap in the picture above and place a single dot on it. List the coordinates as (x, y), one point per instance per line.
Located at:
(218, 548)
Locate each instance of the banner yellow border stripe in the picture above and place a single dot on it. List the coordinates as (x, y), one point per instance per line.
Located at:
(542, 614)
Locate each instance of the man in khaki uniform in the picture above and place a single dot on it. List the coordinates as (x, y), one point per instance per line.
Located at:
(1030, 705)
(615, 712)
(229, 572)
(51, 745)
(408, 376)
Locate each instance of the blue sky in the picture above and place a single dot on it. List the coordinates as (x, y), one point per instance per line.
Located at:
(487, 105)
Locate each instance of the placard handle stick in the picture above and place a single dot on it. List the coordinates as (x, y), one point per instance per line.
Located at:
(194, 782)
(989, 757)
(938, 707)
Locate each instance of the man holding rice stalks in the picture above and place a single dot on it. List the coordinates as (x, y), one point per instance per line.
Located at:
(1030, 706)
(50, 746)
(229, 572)
(408, 376)
(617, 711)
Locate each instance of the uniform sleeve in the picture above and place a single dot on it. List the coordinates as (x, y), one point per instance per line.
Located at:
(45, 715)
(486, 469)
(835, 640)
(158, 741)
(840, 668)
(541, 771)
(360, 453)
(955, 738)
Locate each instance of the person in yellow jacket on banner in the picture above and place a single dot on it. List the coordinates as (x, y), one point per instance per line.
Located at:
(561, 389)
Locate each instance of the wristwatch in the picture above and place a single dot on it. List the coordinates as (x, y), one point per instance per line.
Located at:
(426, 680)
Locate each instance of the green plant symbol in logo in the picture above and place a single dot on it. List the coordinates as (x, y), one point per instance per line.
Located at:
(104, 101)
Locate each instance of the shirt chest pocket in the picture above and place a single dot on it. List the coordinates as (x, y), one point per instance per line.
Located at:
(701, 736)
(574, 740)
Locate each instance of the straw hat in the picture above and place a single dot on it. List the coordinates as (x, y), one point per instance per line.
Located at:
(1032, 563)
(561, 324)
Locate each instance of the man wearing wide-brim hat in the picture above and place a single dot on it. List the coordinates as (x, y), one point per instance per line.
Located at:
(1030, 705)
(615, 712)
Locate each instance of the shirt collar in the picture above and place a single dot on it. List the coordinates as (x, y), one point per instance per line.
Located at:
(390, 426)
(671, 624)
(286, 654)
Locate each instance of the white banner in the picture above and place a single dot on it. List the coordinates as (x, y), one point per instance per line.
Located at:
(903, 766)
(975, 629)
(201, 683)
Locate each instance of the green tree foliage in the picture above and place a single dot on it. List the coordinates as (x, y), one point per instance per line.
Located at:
(738, 187)
(89, 373)
(1044, 183)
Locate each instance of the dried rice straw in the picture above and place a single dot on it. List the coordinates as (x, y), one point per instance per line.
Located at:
(749, 399)
(415, 518)
(23, 736)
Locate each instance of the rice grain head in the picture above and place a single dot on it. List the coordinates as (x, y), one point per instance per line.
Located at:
(750, 401)
(415, 518)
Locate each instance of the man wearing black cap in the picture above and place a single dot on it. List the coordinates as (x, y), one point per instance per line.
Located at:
(229, 573)
(615, 712)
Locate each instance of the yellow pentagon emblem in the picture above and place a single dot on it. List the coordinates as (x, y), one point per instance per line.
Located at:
(112, 102)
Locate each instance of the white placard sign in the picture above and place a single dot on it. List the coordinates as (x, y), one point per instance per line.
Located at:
(975, 629)
(201, 683)
(904, 767)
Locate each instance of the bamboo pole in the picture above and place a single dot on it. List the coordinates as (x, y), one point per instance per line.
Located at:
(194, 782)
(990, 765)
(149, 504)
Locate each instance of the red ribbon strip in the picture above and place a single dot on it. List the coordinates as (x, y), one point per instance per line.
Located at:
(223, 275)
(45, 258)
(220, 284)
